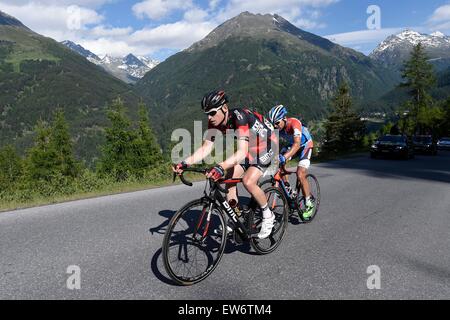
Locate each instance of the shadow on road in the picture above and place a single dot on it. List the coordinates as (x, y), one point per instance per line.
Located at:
(161, 229)
(155, 269)
(434, 168)
(438, 272)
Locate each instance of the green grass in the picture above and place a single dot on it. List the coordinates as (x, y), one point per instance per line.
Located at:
(115, 188)
(27, 46)
(16, 58)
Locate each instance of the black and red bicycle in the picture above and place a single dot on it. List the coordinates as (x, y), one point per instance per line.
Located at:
(192, 248)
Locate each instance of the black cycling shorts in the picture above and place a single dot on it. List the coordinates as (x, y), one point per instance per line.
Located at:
(262, 162)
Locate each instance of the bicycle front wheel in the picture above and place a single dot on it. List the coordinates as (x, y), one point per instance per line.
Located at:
(278, 204)
(191, 247)
(315, 197)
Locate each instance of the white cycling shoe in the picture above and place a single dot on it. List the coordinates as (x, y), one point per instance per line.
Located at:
(266, 227)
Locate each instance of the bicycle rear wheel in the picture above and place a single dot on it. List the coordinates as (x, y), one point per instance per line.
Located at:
(191, 250)
(279, 206)
(268, 182)
(315, 197)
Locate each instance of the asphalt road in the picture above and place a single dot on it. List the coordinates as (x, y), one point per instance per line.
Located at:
(390, 213)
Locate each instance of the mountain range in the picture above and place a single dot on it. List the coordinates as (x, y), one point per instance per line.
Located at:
(129, 68)
(393, 51)
(38, 75)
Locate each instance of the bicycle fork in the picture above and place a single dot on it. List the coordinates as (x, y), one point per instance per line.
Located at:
(200, 222)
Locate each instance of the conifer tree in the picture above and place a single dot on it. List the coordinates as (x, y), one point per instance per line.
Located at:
(40, 162)
(148, 152)
(11, 167)
(419, 113)
(63, 146)
(118, 152)
(343, 129)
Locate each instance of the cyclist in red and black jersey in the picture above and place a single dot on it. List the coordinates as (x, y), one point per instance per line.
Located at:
(255, 136)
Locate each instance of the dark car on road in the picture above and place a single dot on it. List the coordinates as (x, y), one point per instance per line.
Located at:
(425, 144)
(393, 145)
(443, 143)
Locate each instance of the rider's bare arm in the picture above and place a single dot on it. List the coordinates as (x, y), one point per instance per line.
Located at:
(201, 153)
(294, 149)
(238, 156)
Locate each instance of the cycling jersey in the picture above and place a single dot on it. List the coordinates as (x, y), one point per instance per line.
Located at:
(294, 128)
(254, 128)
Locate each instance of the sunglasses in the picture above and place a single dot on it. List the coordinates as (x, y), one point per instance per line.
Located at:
(278, 122)
(212, 113)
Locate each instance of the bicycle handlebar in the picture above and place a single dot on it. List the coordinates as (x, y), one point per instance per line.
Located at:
(202, 171)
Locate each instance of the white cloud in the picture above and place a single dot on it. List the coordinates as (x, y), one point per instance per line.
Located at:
(158, 9)
(53, 21)
(362, 37)
(195, 15)
(213, 4)
(172, 37)
(110, 46)
(102, 31)
(309, 24)
(441, 14)
(309, 19)
(440, 20)
(442, 26)
(178, 35)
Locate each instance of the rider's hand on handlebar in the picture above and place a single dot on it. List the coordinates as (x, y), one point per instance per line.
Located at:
(179, 168)
(282, 160)
(216, 173)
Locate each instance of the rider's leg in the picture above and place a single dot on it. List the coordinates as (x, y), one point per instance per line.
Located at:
(234, 173)
(250, 182)
(302, 170)
(301, 176)
(286, 180)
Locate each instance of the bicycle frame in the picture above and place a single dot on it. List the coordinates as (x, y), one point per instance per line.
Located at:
(215, 196)
(278, 178)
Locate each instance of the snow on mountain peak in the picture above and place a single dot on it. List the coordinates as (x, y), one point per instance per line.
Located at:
(128, 68)
(148, 62)
(106, 59)
(411, 37)
(438, 34)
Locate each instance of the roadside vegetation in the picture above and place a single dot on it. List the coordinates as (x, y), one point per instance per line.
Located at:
(130, 158)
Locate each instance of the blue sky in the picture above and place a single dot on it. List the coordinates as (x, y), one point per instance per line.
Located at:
(159, 28)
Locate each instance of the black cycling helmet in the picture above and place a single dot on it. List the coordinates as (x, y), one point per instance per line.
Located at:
(214, 100)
